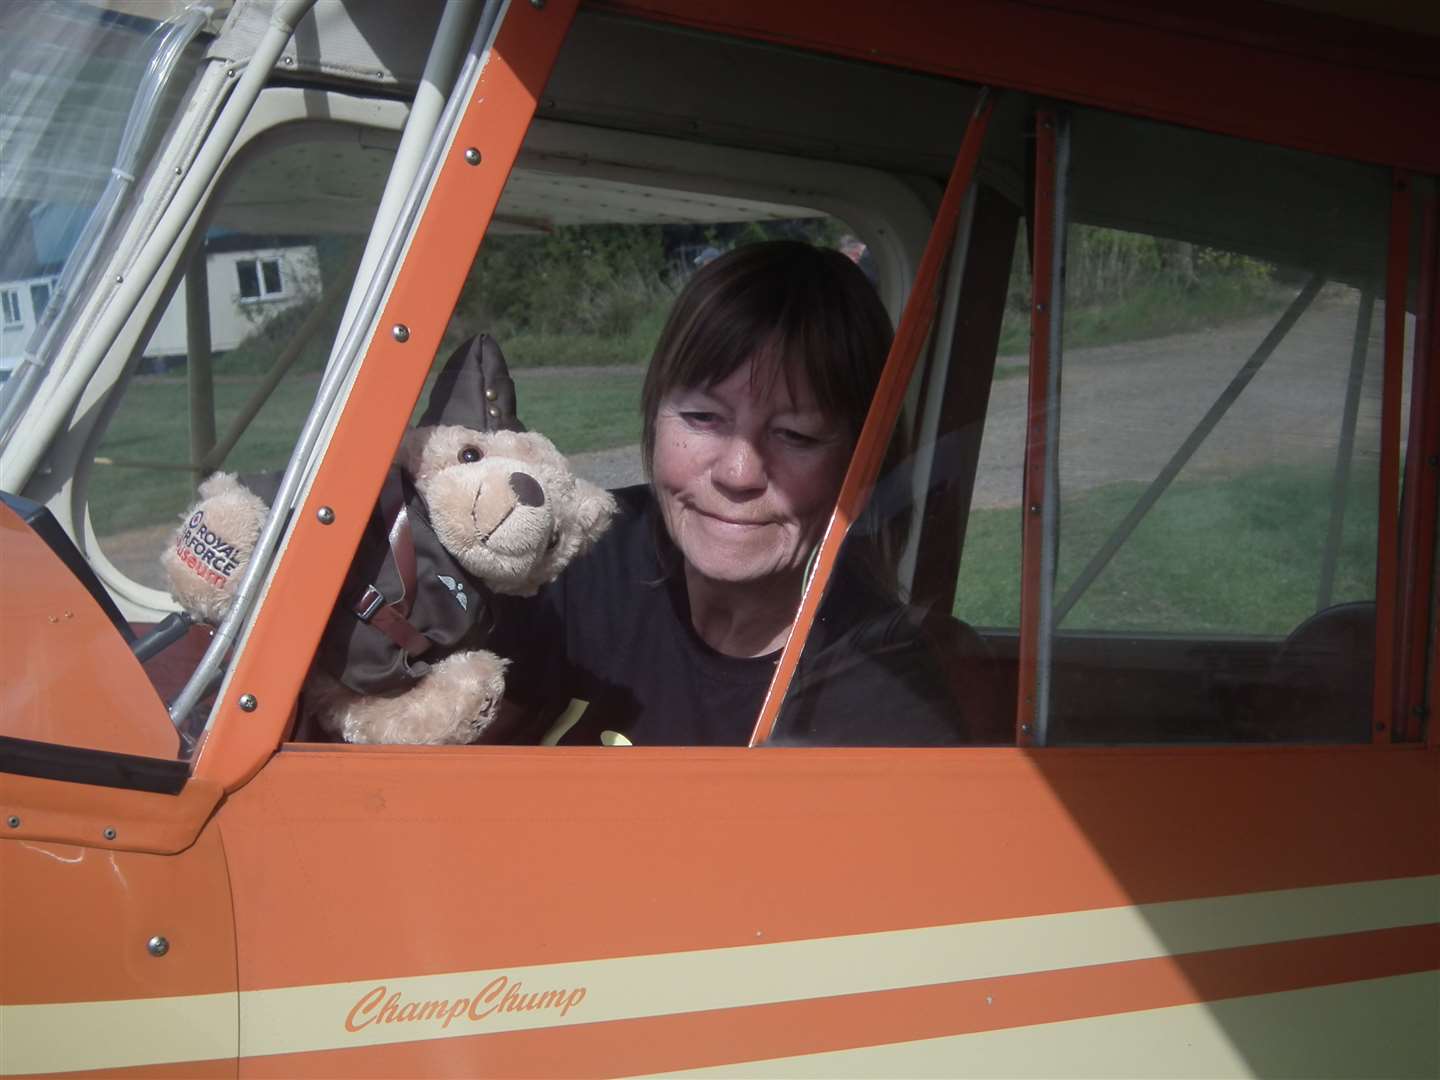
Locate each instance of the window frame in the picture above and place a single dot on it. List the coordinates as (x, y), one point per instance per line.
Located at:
(13, 316)
(237, 745)
(274, 650)
(1396, 700)
(37, 306)
(258, 264)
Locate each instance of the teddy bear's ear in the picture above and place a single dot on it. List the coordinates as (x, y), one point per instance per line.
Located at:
(594, 508)
(219, 484)
(411, 454)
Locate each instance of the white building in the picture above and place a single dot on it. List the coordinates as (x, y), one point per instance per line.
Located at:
(21, 303)
(249, 285)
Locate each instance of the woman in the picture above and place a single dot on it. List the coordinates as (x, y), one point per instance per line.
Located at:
(668, 631)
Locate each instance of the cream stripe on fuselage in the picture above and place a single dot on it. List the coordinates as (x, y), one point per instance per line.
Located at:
(1373, 1027)
(409, 1008)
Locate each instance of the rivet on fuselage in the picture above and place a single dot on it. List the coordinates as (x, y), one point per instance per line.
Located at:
(326, 515)
(157, 946)
(400, 332)
(248, 702)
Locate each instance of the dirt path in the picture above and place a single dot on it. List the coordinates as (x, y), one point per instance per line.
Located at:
(1126, 409)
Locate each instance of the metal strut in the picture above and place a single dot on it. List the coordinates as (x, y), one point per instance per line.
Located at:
(1345, 452)
(1202, 430)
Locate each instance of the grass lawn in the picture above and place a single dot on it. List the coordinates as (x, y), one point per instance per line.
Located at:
(590, 411)
(1238, 555)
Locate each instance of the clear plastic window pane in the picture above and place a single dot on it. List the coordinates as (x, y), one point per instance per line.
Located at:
(70, 110)
(249, 279)
(1219, 440)
(270, 272)
(229, 372)
(914, 642)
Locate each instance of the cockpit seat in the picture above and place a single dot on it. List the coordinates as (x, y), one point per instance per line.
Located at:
(1324, 676)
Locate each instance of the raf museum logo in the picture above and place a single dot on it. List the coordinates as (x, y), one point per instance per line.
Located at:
(206, 552)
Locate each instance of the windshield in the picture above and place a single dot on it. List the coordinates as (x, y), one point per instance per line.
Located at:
(84, 88)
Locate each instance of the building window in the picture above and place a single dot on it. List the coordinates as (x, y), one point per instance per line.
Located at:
(260, 279)
(10, 300)
(39, 299)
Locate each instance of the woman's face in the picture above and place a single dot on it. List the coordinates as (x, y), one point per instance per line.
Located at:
(746, 475)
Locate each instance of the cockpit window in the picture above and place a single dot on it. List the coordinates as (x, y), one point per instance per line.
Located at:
(85, 91)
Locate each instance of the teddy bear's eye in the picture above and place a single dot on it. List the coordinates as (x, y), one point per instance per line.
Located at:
(470, 453)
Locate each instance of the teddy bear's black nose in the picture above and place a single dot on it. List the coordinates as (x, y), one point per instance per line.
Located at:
(527, 489)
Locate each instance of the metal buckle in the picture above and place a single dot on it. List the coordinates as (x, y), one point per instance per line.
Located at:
(369, 603)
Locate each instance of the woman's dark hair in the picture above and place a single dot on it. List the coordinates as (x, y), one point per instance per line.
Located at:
(813, 310)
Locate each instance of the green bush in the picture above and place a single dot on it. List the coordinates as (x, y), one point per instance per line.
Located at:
(594, 281)
(1122, 286)
(594, 294)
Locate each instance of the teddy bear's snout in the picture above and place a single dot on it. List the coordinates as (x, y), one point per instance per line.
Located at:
(496, 497)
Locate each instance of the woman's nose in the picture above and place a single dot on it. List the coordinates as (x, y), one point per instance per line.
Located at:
(740, 465)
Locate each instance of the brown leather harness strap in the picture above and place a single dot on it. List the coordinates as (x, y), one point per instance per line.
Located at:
(392, 619)
(402, 546)
(400, 630)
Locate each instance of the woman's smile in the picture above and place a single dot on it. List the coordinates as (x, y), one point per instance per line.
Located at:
(733, 522)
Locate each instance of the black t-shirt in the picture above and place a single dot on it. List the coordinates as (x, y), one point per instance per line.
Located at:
(614, 631)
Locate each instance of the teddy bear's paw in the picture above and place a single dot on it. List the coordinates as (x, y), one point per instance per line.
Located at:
(464, 692)
(206, 554)
(453, 704)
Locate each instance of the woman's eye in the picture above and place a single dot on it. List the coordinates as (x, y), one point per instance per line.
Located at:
(470, 453)
(797, 438)
(700, 418)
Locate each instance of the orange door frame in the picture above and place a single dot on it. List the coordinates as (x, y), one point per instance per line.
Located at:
(273, 660)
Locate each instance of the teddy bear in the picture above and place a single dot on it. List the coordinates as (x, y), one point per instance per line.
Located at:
(474, 506)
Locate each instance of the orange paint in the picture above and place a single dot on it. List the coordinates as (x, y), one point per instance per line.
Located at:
(185, 1070)
(653, 851)
(66, 674)
(75, 920)
(80, 813)
(1422, 486)
(1387, 664)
